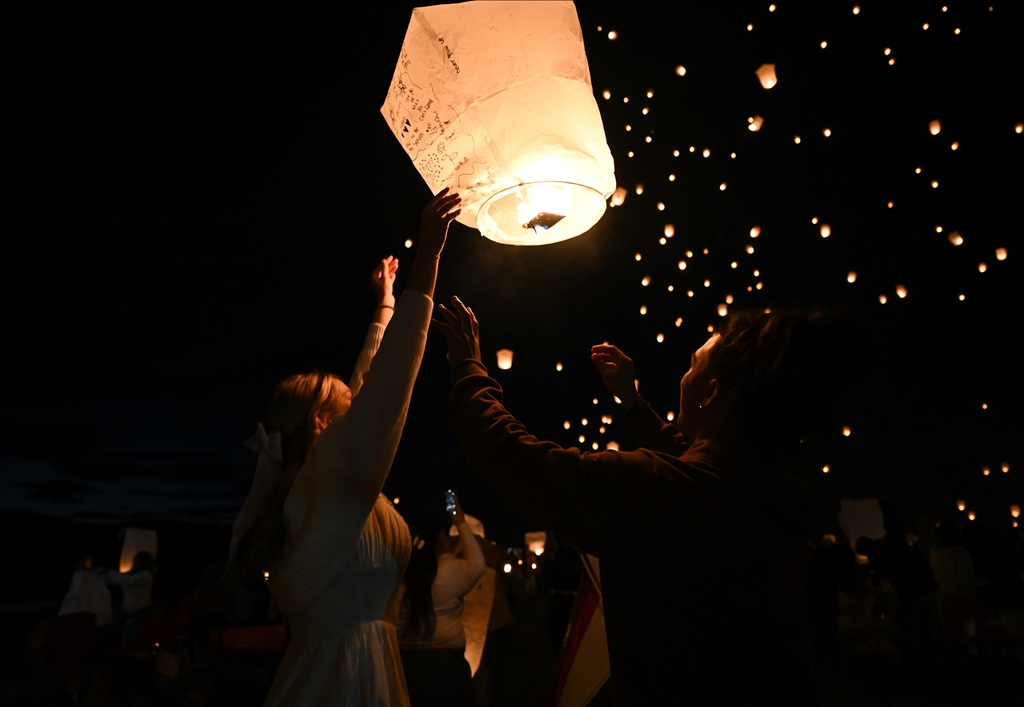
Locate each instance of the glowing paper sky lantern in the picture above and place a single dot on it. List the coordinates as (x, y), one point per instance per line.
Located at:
(618, 197)
(961, 505)
(955, 238)
(934, 127)
(755, 123)
(504, 359)
(766, 75)
(1000, 253)
(1015, 511)
(535, 542)
(494, 100)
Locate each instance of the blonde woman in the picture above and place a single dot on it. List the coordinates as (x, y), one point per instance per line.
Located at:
(315, 520)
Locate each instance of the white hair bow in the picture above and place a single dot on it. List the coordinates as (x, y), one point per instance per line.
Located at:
(269, 473)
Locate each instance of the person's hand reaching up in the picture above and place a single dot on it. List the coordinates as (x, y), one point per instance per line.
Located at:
(461, 329)
(616, 369)
(382, 281)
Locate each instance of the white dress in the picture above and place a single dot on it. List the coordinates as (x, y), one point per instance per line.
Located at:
(347, 547)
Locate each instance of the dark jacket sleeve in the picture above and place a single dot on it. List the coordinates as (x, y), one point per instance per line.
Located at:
(653, 433)
(569, 492)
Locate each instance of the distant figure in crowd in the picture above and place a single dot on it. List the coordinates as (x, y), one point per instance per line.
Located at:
(906, 568)
(703, 539)
(88, 593)
(315, 520)
(953, 568)
(430, 631)
(137, 588)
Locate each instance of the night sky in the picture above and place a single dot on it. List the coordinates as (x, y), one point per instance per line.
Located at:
(196, 197)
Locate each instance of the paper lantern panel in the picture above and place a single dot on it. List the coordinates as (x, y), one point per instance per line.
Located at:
(136, 540)
(494, 100)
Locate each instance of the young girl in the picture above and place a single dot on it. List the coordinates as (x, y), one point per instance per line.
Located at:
(332, 547)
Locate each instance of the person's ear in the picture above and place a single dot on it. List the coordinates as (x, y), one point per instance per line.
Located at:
(321, 419)
(712, 393)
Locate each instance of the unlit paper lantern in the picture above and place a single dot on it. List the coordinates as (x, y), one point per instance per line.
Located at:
(504, 359)
(766, 75)
(494, 100)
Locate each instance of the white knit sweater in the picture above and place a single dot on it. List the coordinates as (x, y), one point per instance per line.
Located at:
(333, 493)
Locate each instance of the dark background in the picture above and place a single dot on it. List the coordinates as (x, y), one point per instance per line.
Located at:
(196, 197)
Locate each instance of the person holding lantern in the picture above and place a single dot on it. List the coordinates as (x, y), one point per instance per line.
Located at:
(709, 607)
(315, 525)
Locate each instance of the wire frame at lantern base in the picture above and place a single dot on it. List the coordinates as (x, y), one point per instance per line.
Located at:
(540, 213)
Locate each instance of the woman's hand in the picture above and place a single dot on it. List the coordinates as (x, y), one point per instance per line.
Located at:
(462, 331)
(382, 281)
(616, 369)
(435, 219)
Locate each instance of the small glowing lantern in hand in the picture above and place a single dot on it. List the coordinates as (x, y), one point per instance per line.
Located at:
(766, 75)
(505, 359)
(494, 100)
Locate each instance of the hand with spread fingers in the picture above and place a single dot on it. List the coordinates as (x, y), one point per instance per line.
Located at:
(461, 329)
(434, 220)
(382, 281)
(616, 369)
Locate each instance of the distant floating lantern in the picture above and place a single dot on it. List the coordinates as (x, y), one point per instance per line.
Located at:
(961, 297)
(671, 177)
(606, 94)
(670, 230)
(755, 232)
(955, 146)
(982, 267)
(887, 51)
(955, 238)
(535, 542)
(594, 446)
(924, 26)
(670, 416)
(675, 153)
(771, 8)
(917, 170)
(1015, 511)
(408, 243)
(707, 152)
(750, 250)
(613, 35)
(558, 366)
(750, 27)
(890, 204)
(986, 470)
(650, 94)
(1018, 128)
(681, 70)
(707, 283)
(583, 422)
(679, 321)
(507, 568)
(638, 257)
(935, 184)
(856, 9)
(825, 230)
(824, 44)
(961, 505)
(643, 309)
(721, 187)
(766, 75)
(612, 445)
(494, 100)
(670, 288)
(901, 291)
(1005, 468)
(504, 359)
(826, 132)
(851, 277)
(984, 406)
(734, 265)
(935, 127)
(1000, 253)
(660, 338)
(628, 127)
(582, 439)
(814, 220)
(825, 469)
(646, 281)
(639, 189)
(847, 432)
(728, 299)
(682, 265)
(971, 515)
(755, 123)
(661, 206)
(618, 197)
(723, 310)
(883, 299)
(796, 139)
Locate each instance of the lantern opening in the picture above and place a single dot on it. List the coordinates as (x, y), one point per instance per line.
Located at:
(540, 213)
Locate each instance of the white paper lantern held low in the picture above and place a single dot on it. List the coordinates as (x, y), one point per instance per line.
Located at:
(494, 100)
(504, 359)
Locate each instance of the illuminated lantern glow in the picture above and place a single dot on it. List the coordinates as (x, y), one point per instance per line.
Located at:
(583, 422)
(1005, 468)
(593, 445)
(648, 138)
(723, 310)
(755, 232)
(535, 542)
(650, 94)
(639, 189)
(814, 220)
(935, 184)
(1015, 511)
(901, 291)
(961, 505)
(408, 243)
(856, 9)
(955, 238)
(662, 241)
(984, 406)
(733, 265)
(826, 132)
(670, 230)
(890, 204)
(643, 309)
(679, 321)
(750, 250)
(883, 299)
(935, 127)
(660, 338)
(618, 197)
(707, 283)
(606, 94)
(721, 187)
(671, 177)
(494, 100)
(982, 267)
(507, 568)
(771, 8)
(750, 27)
(887, 51)
(670, 288)
(638, 257)
(661, 206)
(1018, 128)
(613, 35)
(985, 470)
(675, 153)
(582, 439)
(825, 230)
(1000, 253)
(670, 416)
(961, 298)
(766, 75)
(728, 299)
(646, 281)
(796, 139)
(707, 152)
(558, 366)
(851, 277)
(566, 424)
(504, 359)
(955, 146)
(847, 432)
(824, 44)
(136, 540)
(755, 123)
(612, 445)
(682, 265)
(825, 469)
(628, 127)
(680, 70)
(971, 516)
